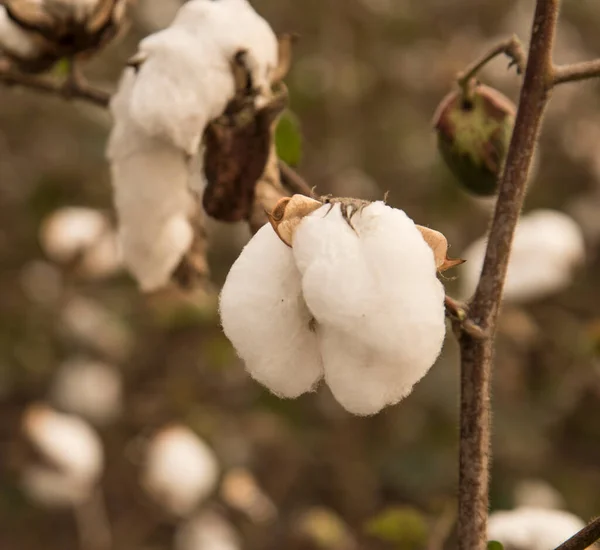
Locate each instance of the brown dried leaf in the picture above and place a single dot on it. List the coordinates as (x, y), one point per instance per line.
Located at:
(237, 148)
(439, 244)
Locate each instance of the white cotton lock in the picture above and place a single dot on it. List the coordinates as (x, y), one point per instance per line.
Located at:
(548, 246)
(180, 470)
(264, 315)
(368, 309)
(207, 531)
(532, 528)
(186, 68)
(89, 388)
(66, 441)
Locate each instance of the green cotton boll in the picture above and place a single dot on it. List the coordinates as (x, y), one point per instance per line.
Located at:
(288, 138)
(494, 545)
(474, 137)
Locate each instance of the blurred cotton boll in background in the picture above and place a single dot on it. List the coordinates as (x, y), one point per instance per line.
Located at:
(548, 247)
(207, 531)
(82, 238)
(180, 470)
(241, 491)
(528, 528)
(89, 388)
(71, 457)
(356, 297)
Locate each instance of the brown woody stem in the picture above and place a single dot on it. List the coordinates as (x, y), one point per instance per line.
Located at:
(576, 72)
(584, 538)
(69, 89)
(511, 48)
(476, 354)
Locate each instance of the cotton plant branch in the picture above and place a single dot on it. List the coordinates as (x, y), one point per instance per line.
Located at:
(476, 351)
(576, 72)
(69, 88)
(584, 538)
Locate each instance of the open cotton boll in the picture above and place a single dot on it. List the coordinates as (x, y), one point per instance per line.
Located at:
(180, 470)
(532, 528)
(68, 443)
(52, 488)
(185, 79)
(89, 388)
(264, 316)
(548, 246)
(207, 531)
(374, 284)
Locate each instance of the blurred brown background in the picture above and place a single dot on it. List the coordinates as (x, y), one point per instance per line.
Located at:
(365, 82)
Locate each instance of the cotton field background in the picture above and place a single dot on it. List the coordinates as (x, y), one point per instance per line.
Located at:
(127, 420)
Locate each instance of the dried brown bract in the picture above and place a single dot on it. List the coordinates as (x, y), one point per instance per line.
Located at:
(439, 244)
(289, 212)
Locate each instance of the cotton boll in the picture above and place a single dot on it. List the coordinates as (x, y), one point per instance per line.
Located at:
(379, 305)
(532, 528)
(180, 470)
(89, 388)
(547, 247)
(536, 493)
(207, 531)
(69, 232)
(264, 316)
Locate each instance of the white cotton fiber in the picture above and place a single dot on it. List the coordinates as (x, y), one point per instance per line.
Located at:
(547, 247)
(264, 315)
(379, 305)
(16, 41)
(533, 528)
(185, 79)
(151, 195)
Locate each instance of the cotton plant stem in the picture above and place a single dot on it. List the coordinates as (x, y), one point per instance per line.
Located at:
(576, 72)
(68, 89)
(584, 538)
(476, 354)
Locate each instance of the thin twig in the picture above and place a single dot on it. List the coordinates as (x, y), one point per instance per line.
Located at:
(576, 72)
(511, 47)
(476, 354)
(584, 538)
(294, 181)
(458, 314)
(68, 89)
(442, 528)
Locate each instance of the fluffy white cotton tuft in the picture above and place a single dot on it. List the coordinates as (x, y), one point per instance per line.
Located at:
(66, 442)
(548, 246)
(185, 79)
(207, 531)
(264, 315)
(89, 388)
(533, 528)
(378, 303)
(153, 202)
(180, 470)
